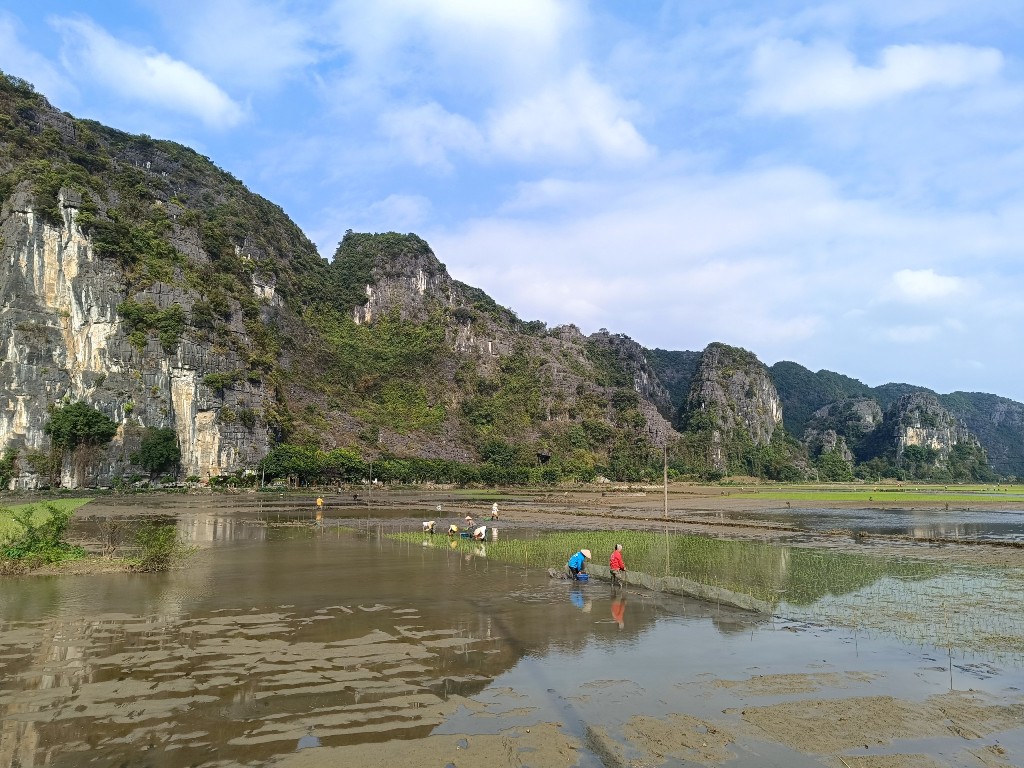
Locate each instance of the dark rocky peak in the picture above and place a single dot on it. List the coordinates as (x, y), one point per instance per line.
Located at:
(840, 426)
(854, 417)
(676, 370)
(733, 389)
(803, 392)
(623, 363)
(375, 274)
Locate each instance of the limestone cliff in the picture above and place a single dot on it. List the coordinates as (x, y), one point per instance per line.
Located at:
(841, 427)
(919, 420)
(733, 398)
(64, 341)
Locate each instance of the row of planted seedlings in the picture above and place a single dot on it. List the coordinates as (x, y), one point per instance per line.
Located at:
(762, 570)
(918, 602)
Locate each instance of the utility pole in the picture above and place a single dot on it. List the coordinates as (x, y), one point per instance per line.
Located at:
(664, 478)
(664, 470)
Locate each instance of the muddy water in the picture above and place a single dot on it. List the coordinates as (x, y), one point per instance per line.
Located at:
(278, 642)
(973, 525)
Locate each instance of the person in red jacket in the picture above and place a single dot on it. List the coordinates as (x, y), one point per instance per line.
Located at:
(617, 567)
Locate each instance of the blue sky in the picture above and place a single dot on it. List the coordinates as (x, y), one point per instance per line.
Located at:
(839, 184)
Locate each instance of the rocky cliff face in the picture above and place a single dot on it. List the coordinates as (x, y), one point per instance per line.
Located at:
(732, 395)
(918, 419)
(998, 423)
(64, 341)
(633, 361)
(841, 426)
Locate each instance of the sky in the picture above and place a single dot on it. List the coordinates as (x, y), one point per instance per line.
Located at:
(840, 184)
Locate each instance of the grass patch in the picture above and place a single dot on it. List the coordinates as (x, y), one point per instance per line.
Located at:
(917, 493)
(40, 540)
(9, 528)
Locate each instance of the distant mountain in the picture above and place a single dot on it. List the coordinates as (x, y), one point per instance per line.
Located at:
(676, 371)
(158, 296)
(997, 422)
(804, 392)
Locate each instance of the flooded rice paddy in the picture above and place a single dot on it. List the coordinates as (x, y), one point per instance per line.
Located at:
(363, 642)
(960, 522)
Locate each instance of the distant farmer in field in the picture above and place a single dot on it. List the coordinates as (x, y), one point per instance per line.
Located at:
(468, 520)
(617, 567)
(480, 533)
(453, 530)
(494, 511)
(578, 564)
(429, 526)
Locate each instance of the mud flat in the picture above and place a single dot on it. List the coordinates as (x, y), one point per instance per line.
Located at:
(281, 644)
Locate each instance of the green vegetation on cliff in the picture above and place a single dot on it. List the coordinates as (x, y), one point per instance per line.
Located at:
(377, 352)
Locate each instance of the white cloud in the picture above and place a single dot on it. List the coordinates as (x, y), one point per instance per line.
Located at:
(778, 260)
(924, 285)
(494, 81)
(20, 61)
(492, 42)
(143, 75)
(574, 119)
(571, 122)
(792, 78)
(426, 134)
(251, 43)
(400, 213)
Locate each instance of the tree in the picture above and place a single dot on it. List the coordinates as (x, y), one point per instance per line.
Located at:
(79, 424)
(159, 450)
(833, 467)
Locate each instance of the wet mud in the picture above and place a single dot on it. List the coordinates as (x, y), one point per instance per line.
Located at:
(281, 643)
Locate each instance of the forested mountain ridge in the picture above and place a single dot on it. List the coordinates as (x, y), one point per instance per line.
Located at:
(997, 422)
(160, 319)
(152, 289)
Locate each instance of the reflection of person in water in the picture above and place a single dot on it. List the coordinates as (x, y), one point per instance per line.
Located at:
(576, 596)
(619, 611)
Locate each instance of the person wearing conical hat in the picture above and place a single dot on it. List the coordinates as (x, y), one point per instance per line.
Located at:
(578, 564)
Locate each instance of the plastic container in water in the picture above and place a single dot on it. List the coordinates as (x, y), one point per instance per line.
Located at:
(583, 577)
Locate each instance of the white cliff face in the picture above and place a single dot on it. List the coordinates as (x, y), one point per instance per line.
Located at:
(200, 438)
(265, 289)
(64, 342)
(51, 264)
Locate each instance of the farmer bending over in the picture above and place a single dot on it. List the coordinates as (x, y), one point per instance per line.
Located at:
(577, 563)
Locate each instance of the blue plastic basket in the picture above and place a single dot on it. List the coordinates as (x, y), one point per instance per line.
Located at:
(583, 577)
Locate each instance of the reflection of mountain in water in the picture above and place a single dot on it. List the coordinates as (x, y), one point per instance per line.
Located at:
(248, 646)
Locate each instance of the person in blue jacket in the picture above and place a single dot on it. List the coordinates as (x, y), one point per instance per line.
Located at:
(578, 563)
